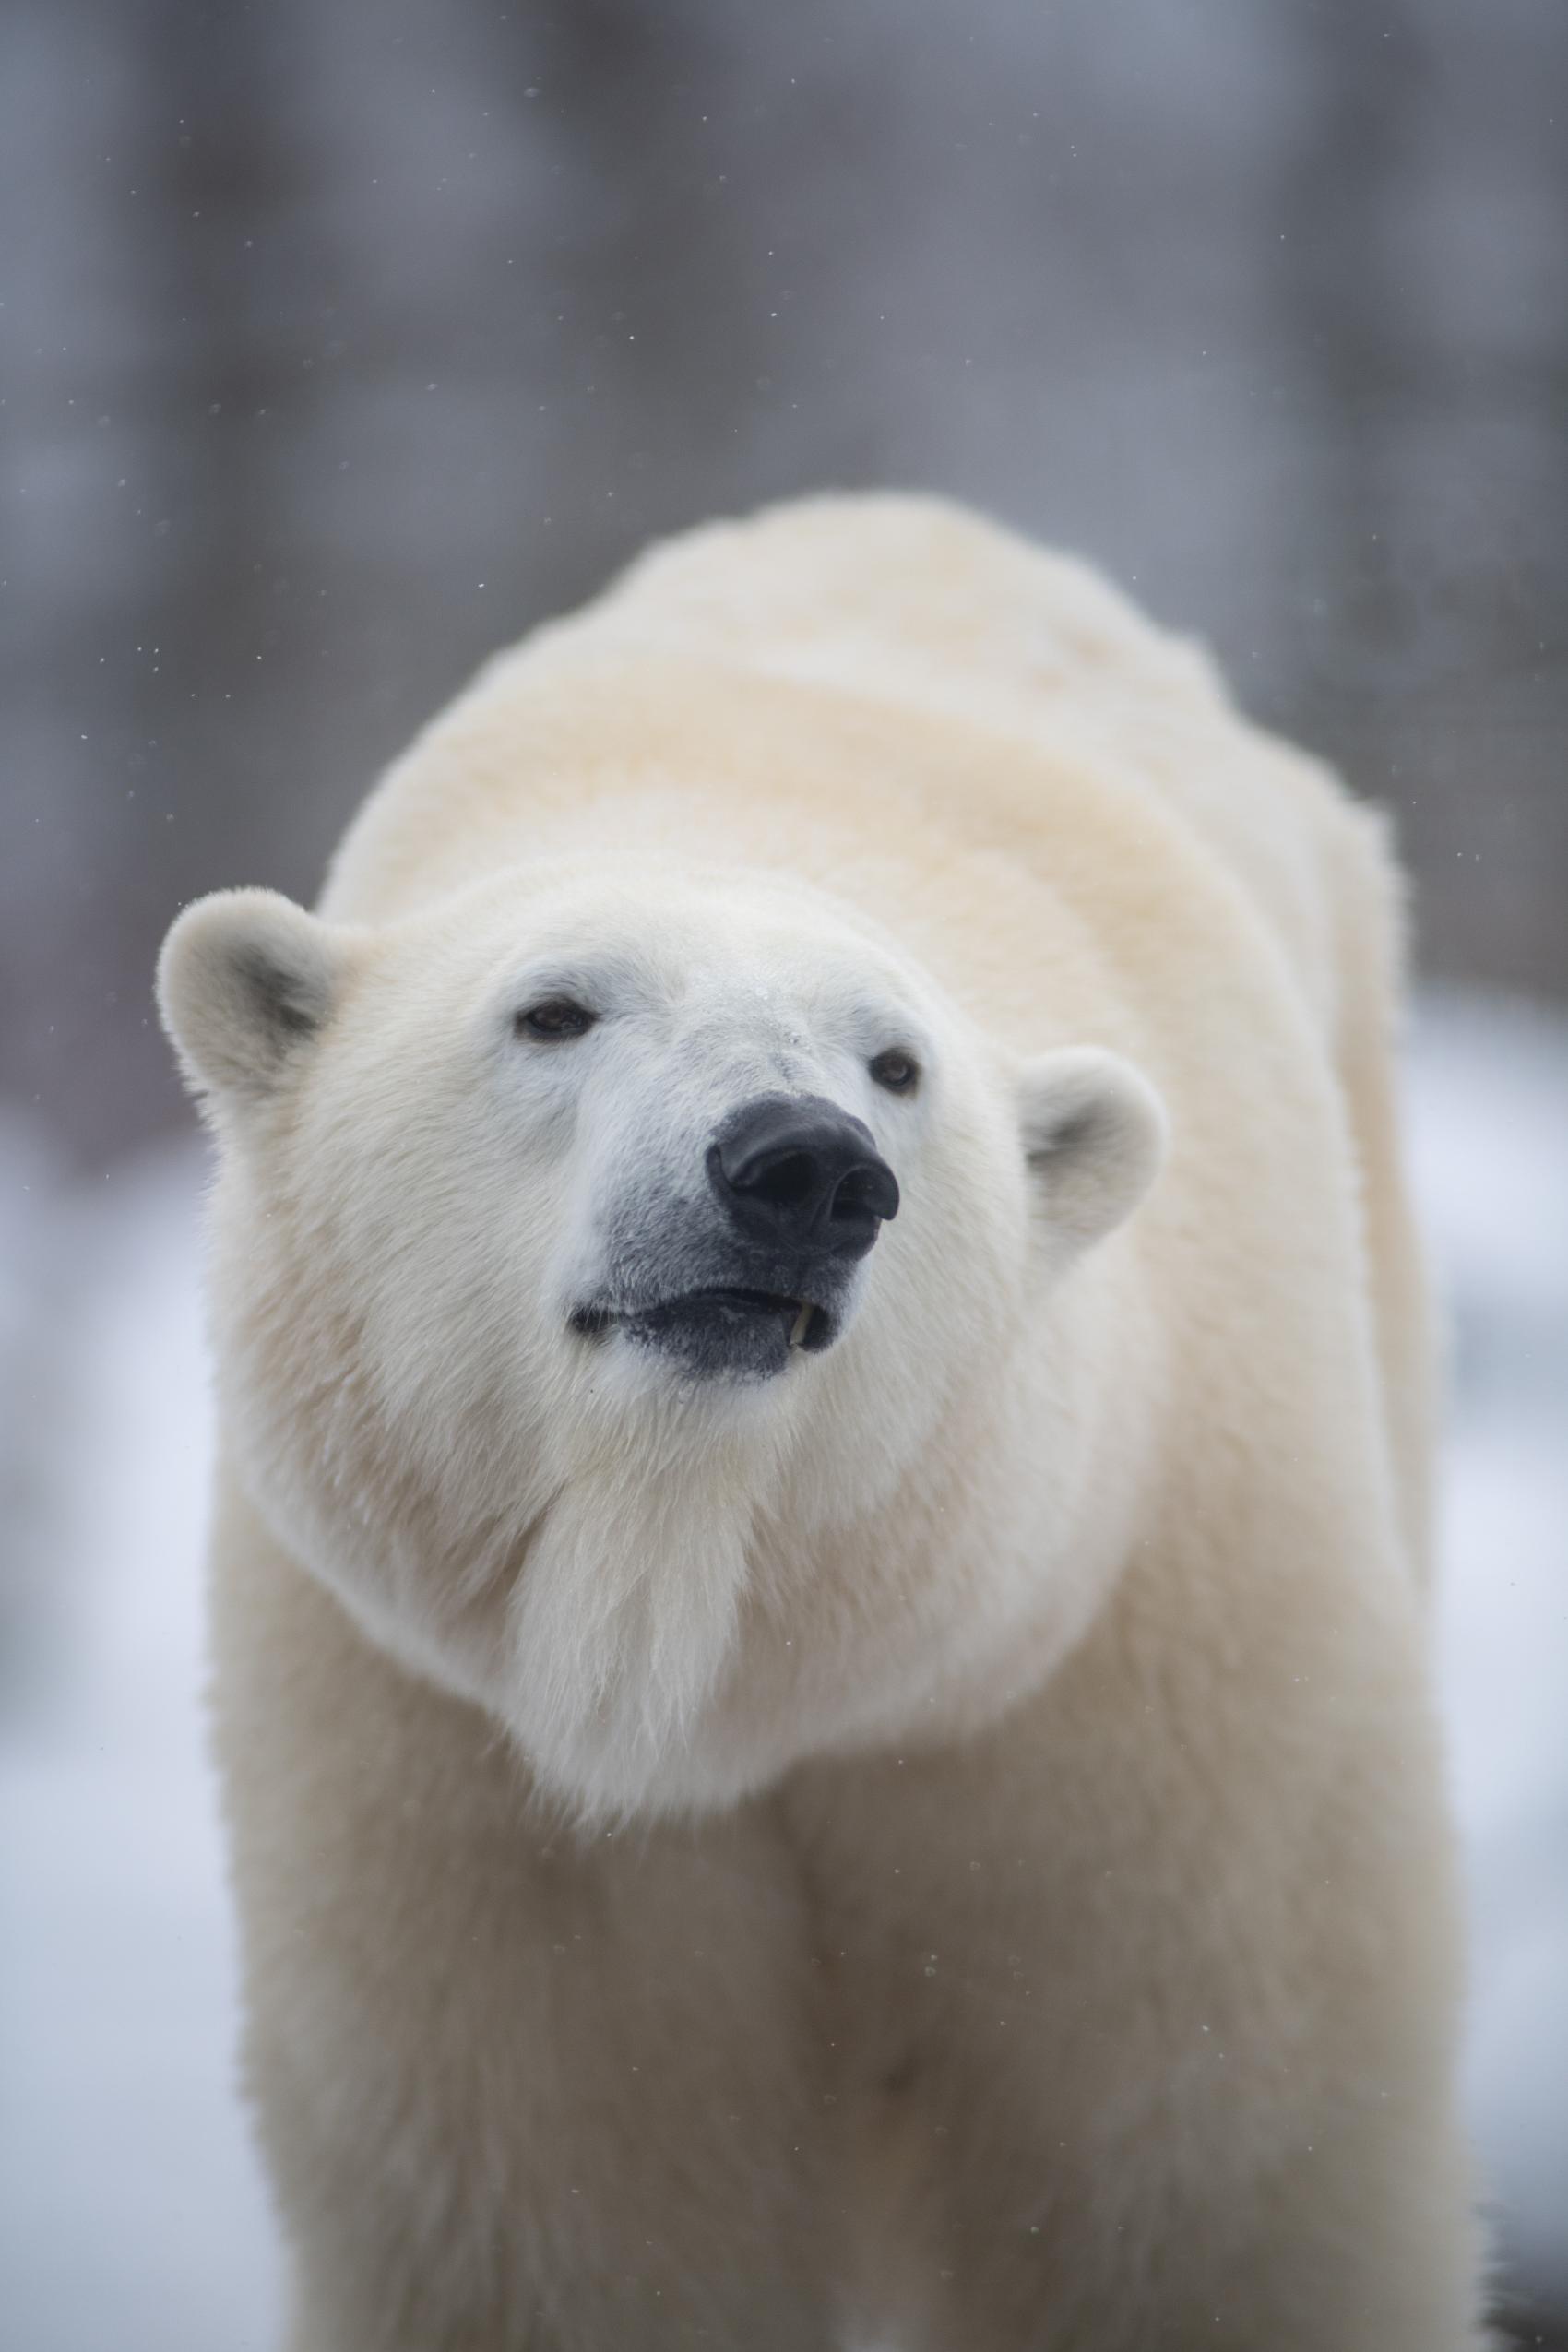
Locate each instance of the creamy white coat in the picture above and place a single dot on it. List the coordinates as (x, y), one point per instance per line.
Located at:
(946, 1847)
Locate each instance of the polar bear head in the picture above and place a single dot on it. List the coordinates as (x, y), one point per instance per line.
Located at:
(602, 1260)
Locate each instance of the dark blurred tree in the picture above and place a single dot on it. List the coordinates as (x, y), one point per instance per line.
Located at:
(1422, 285)
(346, 338)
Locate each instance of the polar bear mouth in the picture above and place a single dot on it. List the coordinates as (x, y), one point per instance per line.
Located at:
(724, 1328)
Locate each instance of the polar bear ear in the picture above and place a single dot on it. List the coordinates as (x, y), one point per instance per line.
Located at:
(246, 981)
(1095, 1134)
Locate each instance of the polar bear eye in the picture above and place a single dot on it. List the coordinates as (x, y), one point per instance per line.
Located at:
(896, 1069)
(556, 1018)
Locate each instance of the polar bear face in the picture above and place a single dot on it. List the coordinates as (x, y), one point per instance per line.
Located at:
(577, 1237)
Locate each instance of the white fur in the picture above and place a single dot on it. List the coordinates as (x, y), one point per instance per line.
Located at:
(947, 1840)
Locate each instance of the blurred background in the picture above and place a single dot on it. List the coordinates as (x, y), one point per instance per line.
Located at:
(343, 339)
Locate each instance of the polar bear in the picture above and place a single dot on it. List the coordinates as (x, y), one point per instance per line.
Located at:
(819, 1652)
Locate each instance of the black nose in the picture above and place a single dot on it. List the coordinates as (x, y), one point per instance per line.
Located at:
(795, 1169)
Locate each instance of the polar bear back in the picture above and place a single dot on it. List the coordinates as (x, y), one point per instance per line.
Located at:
(930, 606)
(922, 606)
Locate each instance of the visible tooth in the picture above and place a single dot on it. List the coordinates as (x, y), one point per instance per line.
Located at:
(801, 1326)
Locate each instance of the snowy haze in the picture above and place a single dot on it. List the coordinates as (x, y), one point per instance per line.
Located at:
(131, 2212)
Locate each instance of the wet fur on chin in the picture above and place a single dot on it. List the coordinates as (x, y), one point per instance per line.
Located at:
(627, 1608)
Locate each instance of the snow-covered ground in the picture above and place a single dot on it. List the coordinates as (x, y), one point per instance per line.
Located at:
(132, 2214)
(1489, 1129)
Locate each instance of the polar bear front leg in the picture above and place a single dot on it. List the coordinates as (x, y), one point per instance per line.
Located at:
(1305, 2267)
(518, 2091)
(1107, 2083)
